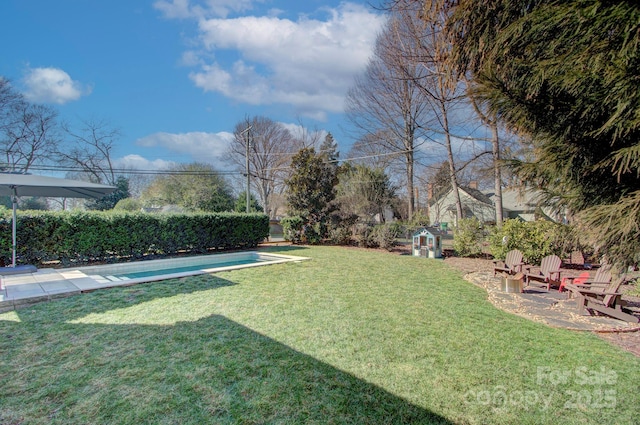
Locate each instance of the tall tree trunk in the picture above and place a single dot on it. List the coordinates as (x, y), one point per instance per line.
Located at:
(495, 144)
(497, 175)
(264, 194)
(452, 167)
(411, 199)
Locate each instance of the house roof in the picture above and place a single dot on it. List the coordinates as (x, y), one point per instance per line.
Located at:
(515, 199)
(477, 194)
(473, 193)
(432, 230)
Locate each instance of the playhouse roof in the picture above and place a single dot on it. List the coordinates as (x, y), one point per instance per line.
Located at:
(433, 231)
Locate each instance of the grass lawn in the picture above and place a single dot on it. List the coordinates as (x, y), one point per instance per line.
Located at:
(349, 337)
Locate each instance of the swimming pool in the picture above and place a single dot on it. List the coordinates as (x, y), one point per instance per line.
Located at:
(170, 268)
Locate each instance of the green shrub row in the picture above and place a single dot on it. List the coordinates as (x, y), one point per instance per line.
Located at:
(75, 237)
(535, 239)
(362, 234)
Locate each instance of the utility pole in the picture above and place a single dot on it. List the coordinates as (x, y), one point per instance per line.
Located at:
(247, 134)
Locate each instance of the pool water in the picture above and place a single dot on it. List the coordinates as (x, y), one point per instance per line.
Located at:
(147, 273)
(153, 270)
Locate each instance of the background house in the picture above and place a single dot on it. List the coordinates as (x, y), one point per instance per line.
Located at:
(517, 203)
(474, 204)
(524, 204)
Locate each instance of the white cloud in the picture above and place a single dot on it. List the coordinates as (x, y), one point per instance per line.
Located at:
(301, 132)
(137, 162)
(182, 9)
(191, 58)
(52, 85)
(307, 63)
(174, 9)
(200, 146)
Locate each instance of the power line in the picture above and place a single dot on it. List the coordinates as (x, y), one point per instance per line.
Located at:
(133, 171)
(59, 168)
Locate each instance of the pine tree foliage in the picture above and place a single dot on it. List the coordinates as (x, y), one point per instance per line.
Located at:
(329, 149)
(567, 75)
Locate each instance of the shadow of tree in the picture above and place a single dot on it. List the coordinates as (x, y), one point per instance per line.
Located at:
(212, 370)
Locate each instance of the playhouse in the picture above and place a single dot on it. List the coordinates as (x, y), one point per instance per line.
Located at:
(427, 242)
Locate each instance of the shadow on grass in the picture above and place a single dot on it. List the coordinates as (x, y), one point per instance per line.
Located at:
(212, 370)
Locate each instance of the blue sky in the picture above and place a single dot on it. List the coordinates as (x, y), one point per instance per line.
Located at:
(175, 76)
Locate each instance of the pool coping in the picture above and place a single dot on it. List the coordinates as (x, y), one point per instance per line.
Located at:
(48, 284)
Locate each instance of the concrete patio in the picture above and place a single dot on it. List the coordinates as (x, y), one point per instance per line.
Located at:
(22, 290)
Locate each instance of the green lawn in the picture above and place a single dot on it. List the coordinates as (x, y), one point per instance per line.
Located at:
(348, 337)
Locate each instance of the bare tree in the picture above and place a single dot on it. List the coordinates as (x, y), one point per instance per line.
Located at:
(445, 87)
(370, 150)
(305, 137)
(437, 82)
(29, 132)
(386, 101)
(89, 148)
(8, 98)
(492, 122)
(270, 147)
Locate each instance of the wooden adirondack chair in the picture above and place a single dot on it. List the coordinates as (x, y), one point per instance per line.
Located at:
(547, 275)
(512, 264)
(607, 300)
(602, 278)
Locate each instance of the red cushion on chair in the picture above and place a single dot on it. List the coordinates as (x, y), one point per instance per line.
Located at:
(578, 280)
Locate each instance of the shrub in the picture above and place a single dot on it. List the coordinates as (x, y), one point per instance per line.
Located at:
(510, 236)
(116, 236)
(385, 235)
(364, 236)
(468, 237)
(128, 204)
(312, 233)
(536, 239)
(292, 229)
(340, 235)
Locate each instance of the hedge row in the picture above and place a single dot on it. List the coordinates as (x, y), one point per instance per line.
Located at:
(535, 239)
(76, 237)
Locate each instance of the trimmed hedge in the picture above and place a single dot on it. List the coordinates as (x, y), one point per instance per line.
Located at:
(76, 237)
